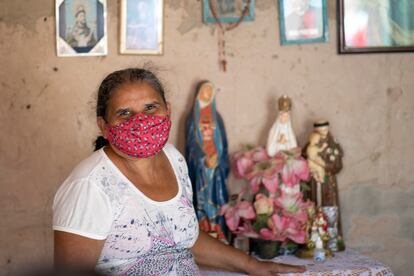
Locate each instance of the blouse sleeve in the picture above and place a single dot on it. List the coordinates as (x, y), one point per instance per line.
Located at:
(82, 208)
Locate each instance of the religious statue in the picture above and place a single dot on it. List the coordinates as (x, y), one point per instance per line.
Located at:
(208, 161)
(281, 136)
(318, 235)
(324, 157)
(315, 161)
(319, 229)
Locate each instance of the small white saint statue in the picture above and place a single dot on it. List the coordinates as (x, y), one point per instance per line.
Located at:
(281, 135)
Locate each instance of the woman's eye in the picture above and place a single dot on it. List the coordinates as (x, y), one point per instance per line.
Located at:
(150, 107)
(125, 113)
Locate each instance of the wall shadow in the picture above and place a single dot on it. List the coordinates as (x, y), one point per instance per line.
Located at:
(181, 132)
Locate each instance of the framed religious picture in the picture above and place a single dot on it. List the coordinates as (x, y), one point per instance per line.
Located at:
(142, 27)
(366, 26)
(303, 21)
(81, 28)
(228, 11)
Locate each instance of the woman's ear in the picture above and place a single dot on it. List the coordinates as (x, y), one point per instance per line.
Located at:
(169, 109)
(101, 124)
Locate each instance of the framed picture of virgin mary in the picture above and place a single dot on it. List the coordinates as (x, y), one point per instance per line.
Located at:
(303, 21)
(141, 27)
(81, 28)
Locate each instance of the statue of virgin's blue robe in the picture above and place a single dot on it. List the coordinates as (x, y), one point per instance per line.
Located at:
(209, 184)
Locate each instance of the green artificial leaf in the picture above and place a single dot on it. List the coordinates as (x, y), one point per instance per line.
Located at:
(291, 245)
(304, 187)
(261, 222)
(263, 190)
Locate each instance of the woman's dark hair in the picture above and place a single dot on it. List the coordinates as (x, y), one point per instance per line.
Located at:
(113, 81)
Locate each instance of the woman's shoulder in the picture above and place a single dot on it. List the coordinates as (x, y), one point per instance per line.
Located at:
(172, 151)
(175, 157)
(80, 206)
(88, 165)
(84, 180)
(84, 172)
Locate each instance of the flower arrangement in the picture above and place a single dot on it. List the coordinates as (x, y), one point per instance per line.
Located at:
(271, 206)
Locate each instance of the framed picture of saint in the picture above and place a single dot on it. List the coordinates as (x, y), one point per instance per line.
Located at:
(141, 27)
(303, 21)
(228, 11)
(81, 28)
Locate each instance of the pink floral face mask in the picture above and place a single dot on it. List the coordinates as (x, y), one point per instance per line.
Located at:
(140, 136)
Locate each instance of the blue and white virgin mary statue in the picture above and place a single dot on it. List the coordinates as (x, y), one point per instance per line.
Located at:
(208, 161)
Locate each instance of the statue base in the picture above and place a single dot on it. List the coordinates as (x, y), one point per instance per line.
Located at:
(306, 253)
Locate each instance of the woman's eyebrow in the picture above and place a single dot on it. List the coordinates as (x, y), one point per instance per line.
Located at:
(152, 102)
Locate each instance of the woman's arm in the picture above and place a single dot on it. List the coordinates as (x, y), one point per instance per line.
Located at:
(74, 252)
(211, 252)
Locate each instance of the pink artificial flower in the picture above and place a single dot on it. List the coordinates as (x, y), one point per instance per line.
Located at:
(243, 161)
(294, 153)
(267, 234)
(245, 210)
(287, 210)
(258, 154)
(265, 171)
(246, 229)
(268, 168)
(255, 184)
(242, 166)
(301, 169)
(271, 184)
(292, 205)
(233, 213)
(283, 228)
(294, 171)
(288, 177)
(263, 205)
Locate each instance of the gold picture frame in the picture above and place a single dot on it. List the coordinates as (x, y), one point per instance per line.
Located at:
(141, 27)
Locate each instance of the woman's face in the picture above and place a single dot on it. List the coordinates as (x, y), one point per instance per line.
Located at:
(132, 98)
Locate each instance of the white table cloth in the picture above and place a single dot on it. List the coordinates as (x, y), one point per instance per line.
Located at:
(347, 263)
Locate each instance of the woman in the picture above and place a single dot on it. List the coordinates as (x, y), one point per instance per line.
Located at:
(127, 209)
